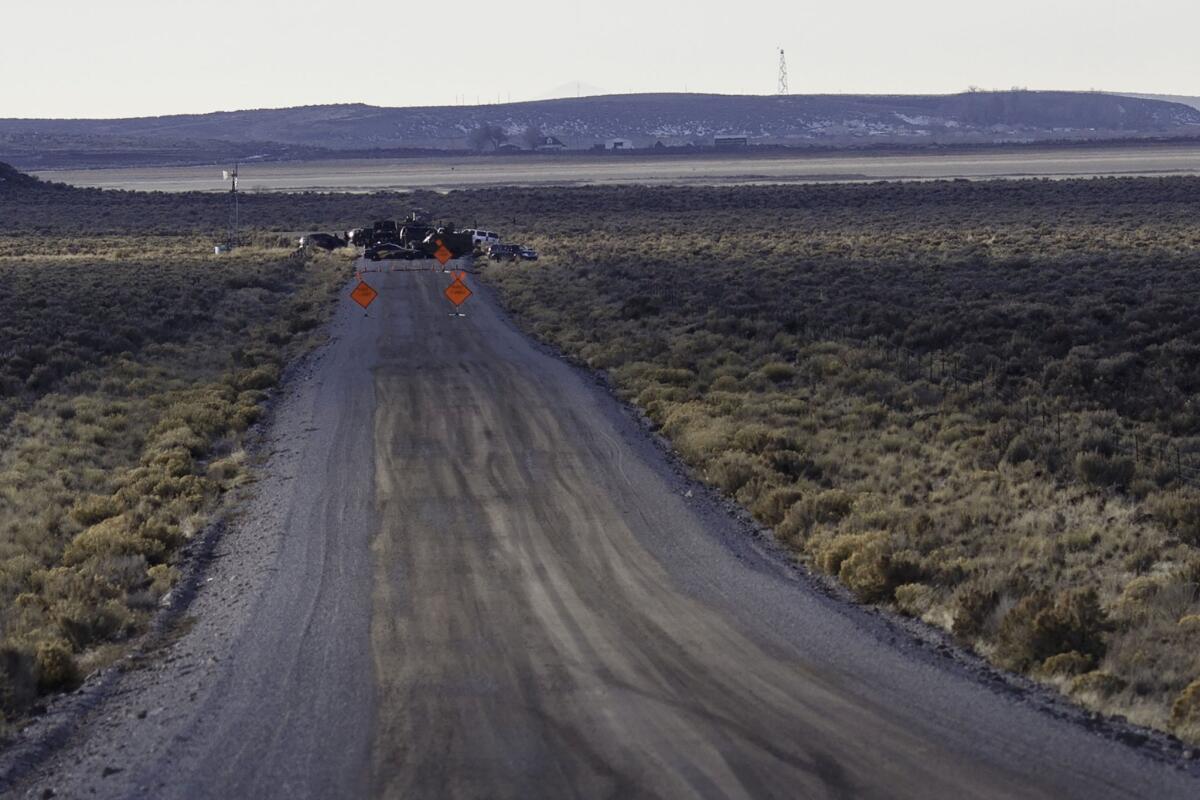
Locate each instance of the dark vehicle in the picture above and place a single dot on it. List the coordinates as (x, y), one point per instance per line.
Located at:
(391, 250)
(459, 243)
(504, 252)
(322, 241)
(528, 254)
(383, 231)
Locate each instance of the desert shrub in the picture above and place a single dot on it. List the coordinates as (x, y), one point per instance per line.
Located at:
(1185, 712)
(1020, 450)
(55, 666)
(914, 599)
(111, 537)
(823, 508)
(874, 568)
(778, 371)
(1040, 626)
(18, 676)
(734, 470)
(1096, 469)
(1179, 512)
(95, 508)
(1068, 664)
(1098, 684)
(774, 504)
(831, 553)
(258, 378)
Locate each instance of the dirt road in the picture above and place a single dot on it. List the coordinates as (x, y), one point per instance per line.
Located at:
(468, 573)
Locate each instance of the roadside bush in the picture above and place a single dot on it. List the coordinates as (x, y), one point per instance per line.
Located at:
(1185, 712)
(1067, 664)
(55, 667)
(823, 508)
(874, 569)
(773, 505)
(733, 470)
(1040, 626)
(914, 599)
(1098, 684)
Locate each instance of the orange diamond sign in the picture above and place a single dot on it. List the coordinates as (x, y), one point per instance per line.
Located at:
(457, 292)
(363, 294)
(442, 254)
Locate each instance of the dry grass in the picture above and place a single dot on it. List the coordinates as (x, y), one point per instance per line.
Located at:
(968, 401)
(131, 371)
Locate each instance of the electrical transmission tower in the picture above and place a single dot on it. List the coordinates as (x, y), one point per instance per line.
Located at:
(783, 87)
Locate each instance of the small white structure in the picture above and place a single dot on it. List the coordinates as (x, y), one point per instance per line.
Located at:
(619, 144)
(548, 143)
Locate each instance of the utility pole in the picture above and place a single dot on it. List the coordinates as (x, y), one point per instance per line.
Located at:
(783, 83)
(232, 177)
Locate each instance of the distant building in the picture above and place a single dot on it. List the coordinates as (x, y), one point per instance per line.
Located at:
(619, 144)
(508, 147)
(730, 141)
(659, 145)
(549, 143)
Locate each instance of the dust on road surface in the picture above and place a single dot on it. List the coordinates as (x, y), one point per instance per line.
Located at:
(469, 573)
(446, 172)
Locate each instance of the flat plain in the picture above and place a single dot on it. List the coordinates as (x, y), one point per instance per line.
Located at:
(447, 173)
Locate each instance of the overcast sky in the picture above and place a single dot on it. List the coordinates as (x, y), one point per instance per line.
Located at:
(113, 58)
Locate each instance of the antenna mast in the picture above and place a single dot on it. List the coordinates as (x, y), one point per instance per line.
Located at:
(783, 86)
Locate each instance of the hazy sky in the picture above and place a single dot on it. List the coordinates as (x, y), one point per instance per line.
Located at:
(109, 58)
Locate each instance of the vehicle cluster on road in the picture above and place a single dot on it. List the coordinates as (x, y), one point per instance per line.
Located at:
(418, 238)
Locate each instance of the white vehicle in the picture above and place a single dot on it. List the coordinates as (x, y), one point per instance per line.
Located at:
(482, 238)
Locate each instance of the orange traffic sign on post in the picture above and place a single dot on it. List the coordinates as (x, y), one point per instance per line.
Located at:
(442, 254)
(457, 292)
(363, 294)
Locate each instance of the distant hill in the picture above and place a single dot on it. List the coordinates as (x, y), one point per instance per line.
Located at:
(1194, 102)
(580, 123)
(12, 181)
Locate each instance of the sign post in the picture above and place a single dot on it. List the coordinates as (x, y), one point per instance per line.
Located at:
(457, 293)
(442, 254)
(363, 294)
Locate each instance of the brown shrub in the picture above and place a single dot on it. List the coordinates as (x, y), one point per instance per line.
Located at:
(1185, 712)
(1040, 626)
(1179, 512)
(55, 666)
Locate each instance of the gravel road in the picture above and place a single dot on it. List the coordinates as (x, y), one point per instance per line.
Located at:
(467, 571)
